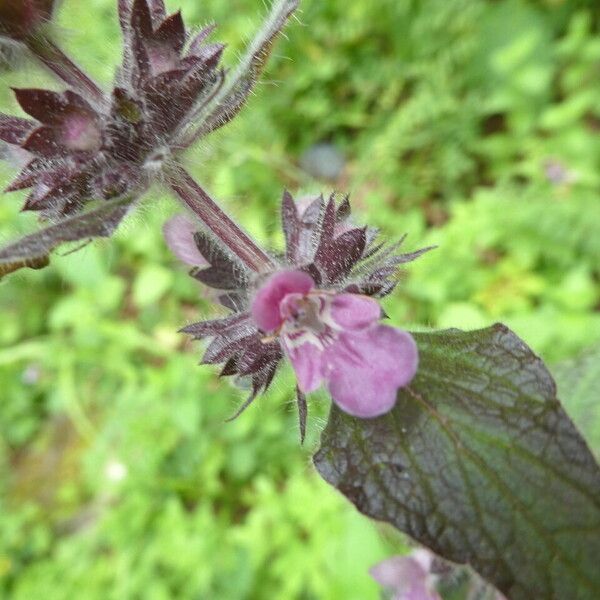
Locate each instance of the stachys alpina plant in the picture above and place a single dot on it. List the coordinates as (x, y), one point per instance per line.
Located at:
(456, 438)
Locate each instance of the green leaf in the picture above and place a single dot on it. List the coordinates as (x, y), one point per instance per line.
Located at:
(33, 250)
(479, 462)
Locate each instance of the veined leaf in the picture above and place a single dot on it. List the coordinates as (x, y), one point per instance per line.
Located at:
(479, 462)
(33, 250)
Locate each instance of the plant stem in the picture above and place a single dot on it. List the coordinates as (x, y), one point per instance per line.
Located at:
(217, 222)
(48, 53)
(232, 95)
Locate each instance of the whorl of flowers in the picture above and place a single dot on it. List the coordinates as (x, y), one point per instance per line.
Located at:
(83, 149)
(316, 306)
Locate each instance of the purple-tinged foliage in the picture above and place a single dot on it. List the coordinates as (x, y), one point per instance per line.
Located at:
(84, 145)
(322, 241)
(83, 150)
(64, 146)
(22, 18)
(324, 248)
(479, 462)
(33, 250)
(167, 73)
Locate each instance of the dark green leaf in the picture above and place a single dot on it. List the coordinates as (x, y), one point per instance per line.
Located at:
(34, 249)
(479, 462)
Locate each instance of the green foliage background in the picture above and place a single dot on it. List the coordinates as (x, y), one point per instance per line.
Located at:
(119, 477)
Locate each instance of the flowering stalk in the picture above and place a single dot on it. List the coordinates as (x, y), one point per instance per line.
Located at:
(459, 433)
(223, 228)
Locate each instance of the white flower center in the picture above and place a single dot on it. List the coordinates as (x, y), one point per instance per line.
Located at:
(307, 318)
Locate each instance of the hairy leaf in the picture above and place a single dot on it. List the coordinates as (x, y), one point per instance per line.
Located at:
(479, 462)
(34, 249)
(223, 273)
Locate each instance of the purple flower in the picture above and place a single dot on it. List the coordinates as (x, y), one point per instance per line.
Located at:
(336, 338)
(408, 577)
(316, 306)
(418, 575)
(179, 235)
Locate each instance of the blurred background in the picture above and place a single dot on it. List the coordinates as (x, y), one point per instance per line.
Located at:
(469, 124)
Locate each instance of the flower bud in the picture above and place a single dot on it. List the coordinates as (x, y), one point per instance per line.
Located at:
(408, 577)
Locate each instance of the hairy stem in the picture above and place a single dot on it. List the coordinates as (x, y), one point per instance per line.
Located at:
(226, 103)
(48, 53)
(239, 243)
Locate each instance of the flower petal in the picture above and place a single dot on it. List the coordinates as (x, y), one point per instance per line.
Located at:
(405, 577)
(364, 369)
(353, 311)
(179, 235)
(307, 361)
(265, 306)
(397, 571)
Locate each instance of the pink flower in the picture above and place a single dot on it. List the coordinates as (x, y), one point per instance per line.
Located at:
(336, 338)
(408, 577)
(179, 235)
